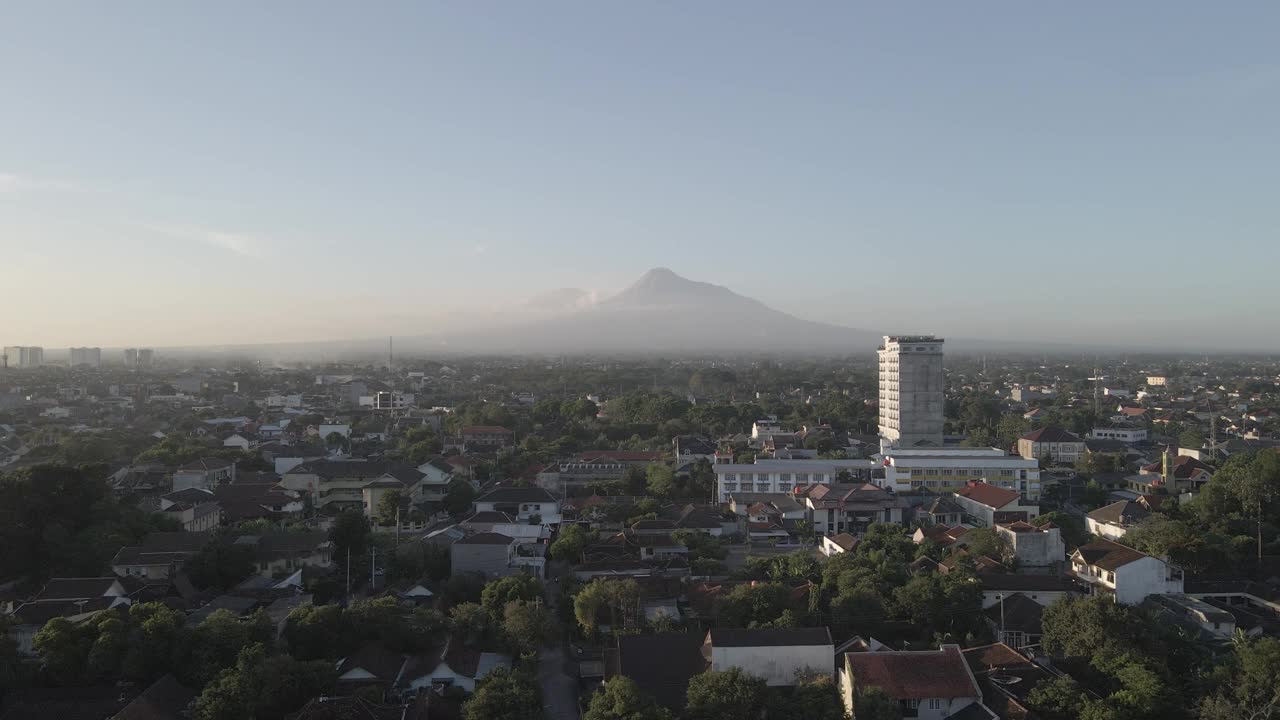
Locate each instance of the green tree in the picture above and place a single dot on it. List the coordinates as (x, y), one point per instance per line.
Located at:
(498, 593)
(1069, 526)
(988, 542)
(312, 632)
(106, 655)
(621, 699)
(1058, 699)
(460, 496)
(754, 605)
(1254, 689)
(816, 700)
(727, 695)
(570, 542)
(154, 632)
(620, 598)
(350, 532)
(504, 695)
(219, 565)
(476, 624)
(660, 481)
(871, 703)
(527, 626)
(389, 507)
(64, 647)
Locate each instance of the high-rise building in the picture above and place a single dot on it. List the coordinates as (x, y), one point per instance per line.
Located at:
(138, 358)
(911, 391)
(89, 356)
(24, 356)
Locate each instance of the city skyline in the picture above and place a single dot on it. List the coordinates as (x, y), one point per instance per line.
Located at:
(1026, 174)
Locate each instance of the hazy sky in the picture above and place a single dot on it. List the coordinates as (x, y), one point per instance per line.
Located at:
(182, 172)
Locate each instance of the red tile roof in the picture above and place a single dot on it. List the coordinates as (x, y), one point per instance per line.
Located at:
(908, 675)
(987, 494)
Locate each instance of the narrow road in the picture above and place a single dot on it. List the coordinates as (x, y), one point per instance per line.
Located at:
(559, 690)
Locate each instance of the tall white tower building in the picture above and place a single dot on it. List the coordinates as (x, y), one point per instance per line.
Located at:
(24, 356)
(911, 391)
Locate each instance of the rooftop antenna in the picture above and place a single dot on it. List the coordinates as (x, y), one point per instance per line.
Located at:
(1097, 389)
(390, 354)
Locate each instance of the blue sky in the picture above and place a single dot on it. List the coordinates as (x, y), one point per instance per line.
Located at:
(184, 172)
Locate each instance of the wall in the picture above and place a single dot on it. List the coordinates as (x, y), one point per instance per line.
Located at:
(1106, 530)
(489, 560)
(777, 665)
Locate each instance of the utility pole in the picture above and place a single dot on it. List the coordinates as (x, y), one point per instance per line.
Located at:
(348, 576)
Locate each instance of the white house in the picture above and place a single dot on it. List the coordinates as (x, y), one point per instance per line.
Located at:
(1124, 434)
(1114, 520)
(521, 504)
(782, 656)
(842, 543)
(1126, 574)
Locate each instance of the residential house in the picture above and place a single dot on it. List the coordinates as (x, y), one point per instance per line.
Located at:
(842, 543)
(1203, 619)
(689, 449)
(1124, 573)
(782, 656)
(205, 473)
(1178, 473)
(373, 665)
(257, 500)
(486, 438)
(927, 684)
(353, 483)
(1114, 520)
(521, 504)
(661, 665)
(453, 664)
(1043, 589)
(1016, 620)
(164, 699)
(158, 556)
(281, 553)
(1060, 446)
(1034, 546)
(76, 599)
(941, 510)
(1007, 678)
(835, 509)
(493, 555)
(987, 504)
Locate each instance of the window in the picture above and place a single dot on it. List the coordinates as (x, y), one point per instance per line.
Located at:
(748, 477)
(785, 478)
(911, 704)
(1111, 577)
(730, 477)
(935, 703)
(802, 478)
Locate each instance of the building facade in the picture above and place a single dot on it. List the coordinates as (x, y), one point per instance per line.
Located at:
(784, 476)
(911, 391)
(948, 469)
(86, 356)
(24, 356)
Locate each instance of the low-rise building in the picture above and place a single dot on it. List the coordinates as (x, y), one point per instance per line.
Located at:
(836, 509)
(1124, 573)
(485, 438)
(1128, 434)
(1060, 446)
(158, 556)
(784, 476)
(205, 473)
(940, 469)
(1034, 546)
(782, 656)
(927, 684)
(1114, 520)
(520, 504)
(986, 504)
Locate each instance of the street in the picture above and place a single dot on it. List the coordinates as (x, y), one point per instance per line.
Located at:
(559, 690)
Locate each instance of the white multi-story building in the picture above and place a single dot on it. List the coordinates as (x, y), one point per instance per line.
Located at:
(911, 391)
(941, 469)
(24, 356)
(784, 476)
(87, 356)
(387, 400)
(1121, 433)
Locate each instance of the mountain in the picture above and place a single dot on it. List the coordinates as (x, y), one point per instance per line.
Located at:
(660, 312)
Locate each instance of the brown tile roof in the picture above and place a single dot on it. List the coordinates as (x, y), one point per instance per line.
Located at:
(913, 675)
(165, 699)
(1108, 555)
(987, 494)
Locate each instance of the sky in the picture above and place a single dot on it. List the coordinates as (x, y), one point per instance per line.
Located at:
(183, 173)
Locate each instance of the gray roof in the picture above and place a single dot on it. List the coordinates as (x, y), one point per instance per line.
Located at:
(769, 637)
(517, 495)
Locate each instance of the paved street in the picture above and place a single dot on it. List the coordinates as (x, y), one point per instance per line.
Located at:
(559, 691)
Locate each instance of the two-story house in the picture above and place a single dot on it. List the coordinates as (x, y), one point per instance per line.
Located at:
(1034, 546)
(782, 656)
(486, 438)
(835, 509)
(205, 473)
(1114, 520)
(1124, 573)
